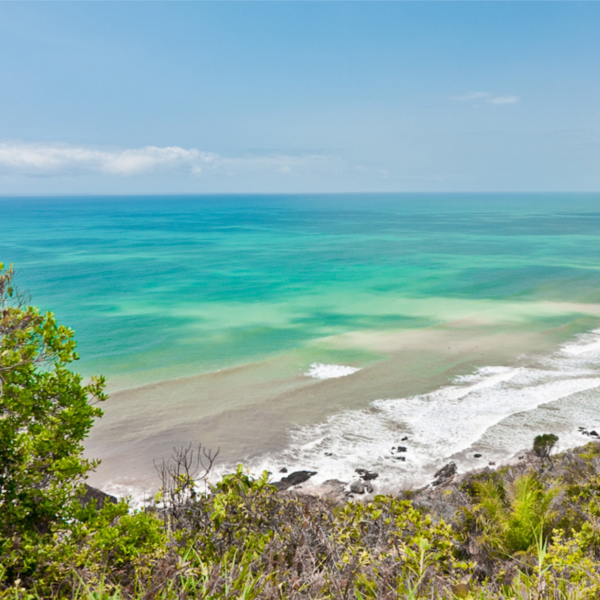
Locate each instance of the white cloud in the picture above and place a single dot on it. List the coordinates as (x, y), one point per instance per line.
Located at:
(478, 98)
(61, 159)
(55, 159)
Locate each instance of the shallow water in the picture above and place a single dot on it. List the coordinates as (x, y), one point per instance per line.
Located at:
(219, 319)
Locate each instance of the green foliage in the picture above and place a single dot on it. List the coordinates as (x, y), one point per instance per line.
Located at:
(235, 513)
(45, 413)
(395, 524)
(244, 530)
(117, 536)
(127, 543)
(512, 516)
(393, 545)
(589, 452)
(543, 445)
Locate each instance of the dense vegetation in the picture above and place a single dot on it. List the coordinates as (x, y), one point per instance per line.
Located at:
(528, 531)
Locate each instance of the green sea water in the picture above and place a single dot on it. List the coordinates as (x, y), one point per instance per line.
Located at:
(164, 287)
(206, 313)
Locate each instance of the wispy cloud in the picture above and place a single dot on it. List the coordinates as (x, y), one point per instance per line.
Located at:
(478, 98)
(56, 159)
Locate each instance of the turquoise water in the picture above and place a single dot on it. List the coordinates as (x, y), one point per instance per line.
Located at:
(309, 331)
(162, 287)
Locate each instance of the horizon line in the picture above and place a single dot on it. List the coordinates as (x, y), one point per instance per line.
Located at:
(195, 194)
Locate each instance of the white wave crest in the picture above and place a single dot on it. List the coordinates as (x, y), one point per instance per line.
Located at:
(322, 371)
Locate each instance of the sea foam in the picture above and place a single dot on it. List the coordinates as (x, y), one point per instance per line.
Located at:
(495, 411)
(322, 371)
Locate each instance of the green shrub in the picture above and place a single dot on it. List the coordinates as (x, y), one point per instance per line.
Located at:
(543, 445)
(45, 414)
(512, 516)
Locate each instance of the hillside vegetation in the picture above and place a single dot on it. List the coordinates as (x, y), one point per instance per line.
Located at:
(527, 531)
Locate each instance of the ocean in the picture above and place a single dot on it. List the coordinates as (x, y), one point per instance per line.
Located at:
(321, 332)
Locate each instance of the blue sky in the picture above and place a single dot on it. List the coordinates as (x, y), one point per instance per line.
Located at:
(203, 97)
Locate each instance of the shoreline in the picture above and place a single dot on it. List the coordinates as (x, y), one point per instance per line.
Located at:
(364, 486)
(283, 423)
(431, 494)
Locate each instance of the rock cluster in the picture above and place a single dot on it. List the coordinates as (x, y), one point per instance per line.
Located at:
(396, 450)
(363, 485)
(295, 478)
(445, 474)
(360, 487)
(366, 475)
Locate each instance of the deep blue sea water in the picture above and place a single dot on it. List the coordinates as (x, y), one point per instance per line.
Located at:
(159, 288)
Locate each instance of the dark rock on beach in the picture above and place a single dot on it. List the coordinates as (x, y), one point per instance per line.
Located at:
(477, 455)
(446, 473)
(367, 475)
(295, 478)
(92, 493)
(284, 470)
(360, 487)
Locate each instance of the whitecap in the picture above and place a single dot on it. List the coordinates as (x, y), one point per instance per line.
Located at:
(322, 371)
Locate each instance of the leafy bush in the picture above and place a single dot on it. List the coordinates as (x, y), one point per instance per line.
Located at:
(543, 445)
(45, 414)
(512, 516)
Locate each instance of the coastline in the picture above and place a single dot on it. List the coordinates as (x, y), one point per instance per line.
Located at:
(267, 435)
(418, 292)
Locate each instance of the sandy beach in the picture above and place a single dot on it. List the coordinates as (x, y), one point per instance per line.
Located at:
(268, 422)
